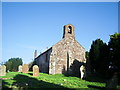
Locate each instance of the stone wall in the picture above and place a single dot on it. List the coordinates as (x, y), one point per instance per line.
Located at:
(43, 61)
(65, 57)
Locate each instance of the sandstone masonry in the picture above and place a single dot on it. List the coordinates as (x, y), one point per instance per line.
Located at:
(65, 57)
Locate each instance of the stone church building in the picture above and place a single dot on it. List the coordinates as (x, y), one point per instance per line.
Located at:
(64, 57)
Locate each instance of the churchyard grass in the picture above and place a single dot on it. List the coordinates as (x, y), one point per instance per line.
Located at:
(18, 80)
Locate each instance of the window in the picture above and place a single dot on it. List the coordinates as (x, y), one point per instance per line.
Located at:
(70, 29)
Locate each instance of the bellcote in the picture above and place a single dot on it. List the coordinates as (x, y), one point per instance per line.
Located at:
(68, 31)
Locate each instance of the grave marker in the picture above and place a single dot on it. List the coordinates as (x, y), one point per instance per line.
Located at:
(20, 68)
(35, 70)
(25, 68)
(2, 70)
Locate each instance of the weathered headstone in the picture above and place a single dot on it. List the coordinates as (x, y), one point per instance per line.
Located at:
(2, 70)
(35, 70)
(25, 68)
(20, 68)
(82, 71)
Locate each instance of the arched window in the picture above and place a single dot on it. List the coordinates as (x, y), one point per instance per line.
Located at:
(70, 29)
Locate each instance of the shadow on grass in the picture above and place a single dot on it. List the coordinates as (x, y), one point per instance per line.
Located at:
(94, 78)
(5, 87)
(26, 82)
(96, 87)
(30, 74)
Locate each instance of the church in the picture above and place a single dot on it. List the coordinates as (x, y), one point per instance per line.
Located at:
(65, 57)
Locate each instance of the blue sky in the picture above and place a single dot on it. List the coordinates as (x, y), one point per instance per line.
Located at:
(29, 26)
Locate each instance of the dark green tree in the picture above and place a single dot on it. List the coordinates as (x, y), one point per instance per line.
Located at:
(114, 46)
(13, 63)
(31, 64)
(98, 56)
(88, 63)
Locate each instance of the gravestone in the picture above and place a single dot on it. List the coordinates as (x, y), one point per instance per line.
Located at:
(2, 70)
(82, 71)
(20, 68)
(35, 70)
(25, 68)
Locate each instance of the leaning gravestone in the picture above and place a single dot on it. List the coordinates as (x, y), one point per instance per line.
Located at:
(20, 68)
(82, 71)
(25, 68)
(35, 70)
(2, 70)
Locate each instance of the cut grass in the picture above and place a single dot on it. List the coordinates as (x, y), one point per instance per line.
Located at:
(16, 79)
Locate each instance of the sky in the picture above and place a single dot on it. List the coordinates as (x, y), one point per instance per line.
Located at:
(30, 26)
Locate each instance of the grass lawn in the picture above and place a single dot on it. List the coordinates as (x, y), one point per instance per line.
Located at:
(22, 80)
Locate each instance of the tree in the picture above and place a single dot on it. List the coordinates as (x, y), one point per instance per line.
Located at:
(13, 63)
(98, 56)
(31, 64)
(88, 63)
(114, 47)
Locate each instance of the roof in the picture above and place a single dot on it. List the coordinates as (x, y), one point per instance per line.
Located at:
(44, 52)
